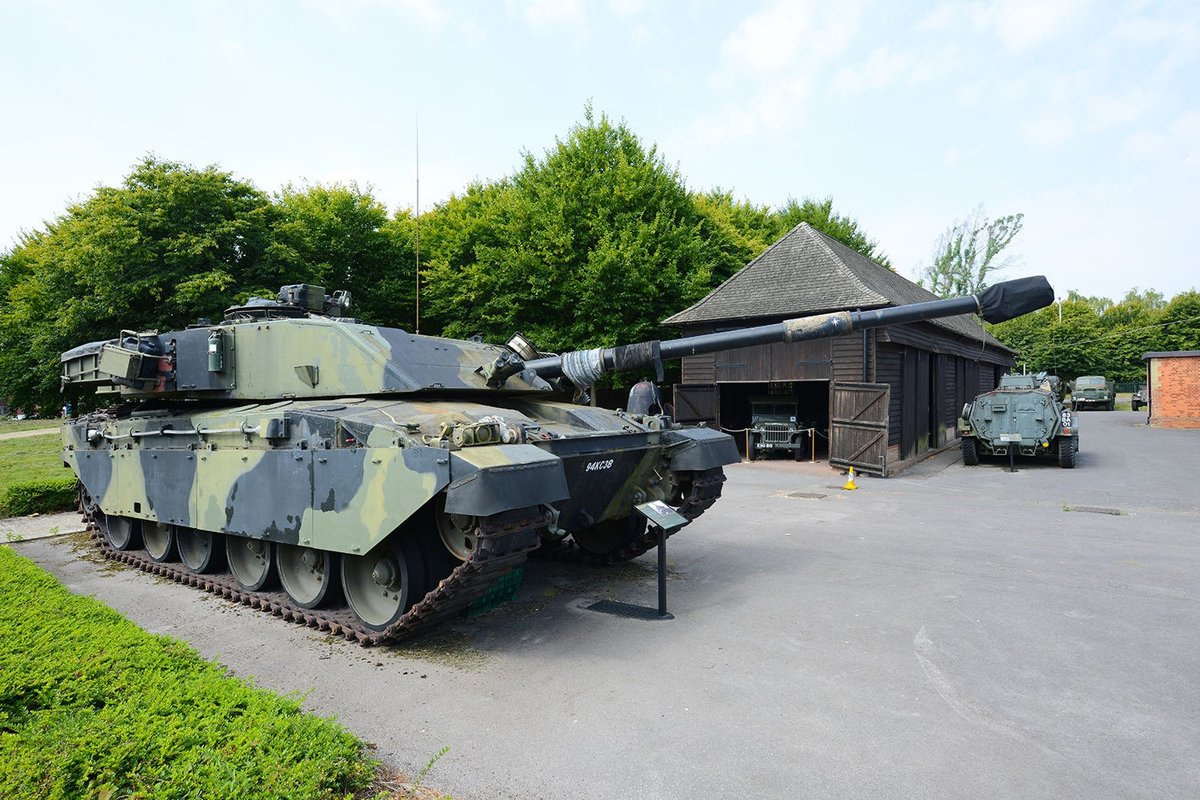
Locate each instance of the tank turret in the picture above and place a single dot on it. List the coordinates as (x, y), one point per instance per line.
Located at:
(372, 482)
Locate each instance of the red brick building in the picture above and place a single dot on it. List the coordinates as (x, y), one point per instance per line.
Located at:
(1174, 382)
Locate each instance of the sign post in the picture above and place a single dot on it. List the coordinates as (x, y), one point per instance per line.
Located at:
(667, 520)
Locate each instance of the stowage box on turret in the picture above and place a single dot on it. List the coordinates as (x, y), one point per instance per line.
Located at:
(371, 482)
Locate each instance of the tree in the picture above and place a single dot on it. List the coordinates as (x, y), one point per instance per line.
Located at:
(590, 245)
(969, 252)
(340, 237)
(171, 243)
(820, 215)
(1181, 323)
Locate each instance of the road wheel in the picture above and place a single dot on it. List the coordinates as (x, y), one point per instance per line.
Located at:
(970, 451)
(382, 585)
(122, 533)
(309, 576)
(751, 449)
(200, 551)
(611, 535)
(1066, 452)
(159, 539)
(252, 562)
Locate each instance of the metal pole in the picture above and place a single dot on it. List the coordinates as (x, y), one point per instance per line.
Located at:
(662, 572)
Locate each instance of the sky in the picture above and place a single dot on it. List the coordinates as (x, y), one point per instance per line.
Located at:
(1083, 115)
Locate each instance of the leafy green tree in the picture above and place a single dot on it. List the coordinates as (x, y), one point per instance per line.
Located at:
(1181, 323)
(172, 242)
(820, 215)
(590, 245)
(969, 252)
(746, 230)
(340, 237)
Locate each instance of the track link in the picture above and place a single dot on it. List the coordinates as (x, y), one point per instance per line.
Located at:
(504, 543)
(703, 491)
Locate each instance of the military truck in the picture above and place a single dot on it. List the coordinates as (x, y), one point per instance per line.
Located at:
(372, 482)
(774, 427)
(1093, 391)
(1141, 398)
(1023, 416)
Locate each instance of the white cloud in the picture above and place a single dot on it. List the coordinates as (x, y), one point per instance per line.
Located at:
(1111, 110)
(957, 155)
(1176, 143)
(884, 68)
(1022, 24)
(627, 8)
(770, 63)
(550, 14)
(428, 14)
(1048, 132)
(1019, 24)
(786, 35)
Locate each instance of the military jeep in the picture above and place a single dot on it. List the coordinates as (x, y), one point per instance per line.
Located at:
(774, 427)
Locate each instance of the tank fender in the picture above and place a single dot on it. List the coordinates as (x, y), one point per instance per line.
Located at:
(488, 480)
(700, 448)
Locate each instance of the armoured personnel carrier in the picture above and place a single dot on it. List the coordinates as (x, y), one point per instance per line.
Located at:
(1024, 415)
(371, 482)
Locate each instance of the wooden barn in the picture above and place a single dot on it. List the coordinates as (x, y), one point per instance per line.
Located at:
(877, 398)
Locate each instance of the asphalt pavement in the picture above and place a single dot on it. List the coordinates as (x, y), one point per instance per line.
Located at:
(951, 632)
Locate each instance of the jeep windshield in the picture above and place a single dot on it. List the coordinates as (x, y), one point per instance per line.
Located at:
(1089, 383)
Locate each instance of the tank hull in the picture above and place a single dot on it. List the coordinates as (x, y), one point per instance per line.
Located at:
(358, 476)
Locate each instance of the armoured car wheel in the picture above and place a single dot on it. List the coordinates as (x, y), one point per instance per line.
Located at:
(252, 562)
(1066, 452)
(123, 533)
(200, 551)
(970, 451)
(308, 575)
(159, 539)
(384, 583)
(611, 535)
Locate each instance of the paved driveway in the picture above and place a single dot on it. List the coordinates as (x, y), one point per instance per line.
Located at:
(953, 632)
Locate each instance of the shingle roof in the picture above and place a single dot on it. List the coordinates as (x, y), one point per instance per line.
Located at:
(807, 272)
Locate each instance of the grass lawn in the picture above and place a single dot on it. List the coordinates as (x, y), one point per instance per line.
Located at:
(12, 425)
(32, 478)
(91, 706)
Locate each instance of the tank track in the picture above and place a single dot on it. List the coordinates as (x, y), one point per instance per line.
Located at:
(504, 543)
(705, 489)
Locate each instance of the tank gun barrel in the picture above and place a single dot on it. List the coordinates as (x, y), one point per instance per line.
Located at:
(997, 303)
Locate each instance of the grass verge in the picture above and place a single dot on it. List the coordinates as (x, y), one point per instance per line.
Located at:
(13, 425)
(32, 478)
(91, 706)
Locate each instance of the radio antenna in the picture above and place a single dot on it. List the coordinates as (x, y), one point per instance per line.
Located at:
(418, 221)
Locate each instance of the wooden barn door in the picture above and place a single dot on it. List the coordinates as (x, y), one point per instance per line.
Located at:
(698, 402)
(858, 426)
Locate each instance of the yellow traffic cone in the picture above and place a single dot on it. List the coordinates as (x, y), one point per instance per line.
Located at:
(850, 480)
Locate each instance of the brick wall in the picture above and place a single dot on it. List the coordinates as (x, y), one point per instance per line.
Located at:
(1175, 392)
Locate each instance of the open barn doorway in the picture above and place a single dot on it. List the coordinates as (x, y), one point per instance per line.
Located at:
(783, 419)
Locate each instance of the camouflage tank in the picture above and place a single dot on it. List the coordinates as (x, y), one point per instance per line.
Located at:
(372, 482)
(1025, 415)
